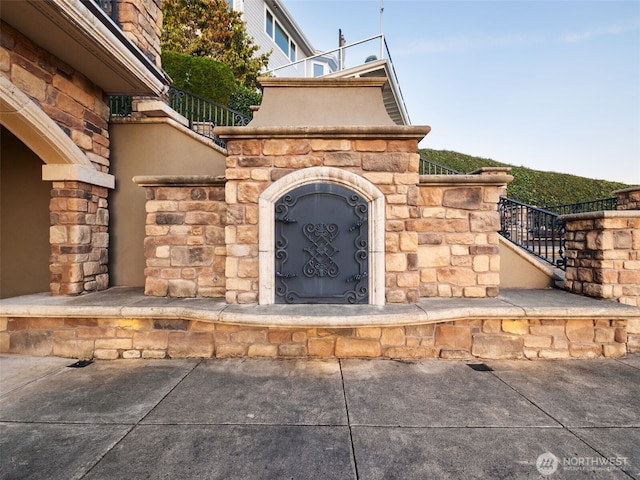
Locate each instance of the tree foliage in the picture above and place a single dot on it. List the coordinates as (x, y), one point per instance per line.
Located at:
(210, 28)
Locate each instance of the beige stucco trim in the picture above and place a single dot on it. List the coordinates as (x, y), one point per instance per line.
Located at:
(266, 226)
(171, 122)
(77, 173)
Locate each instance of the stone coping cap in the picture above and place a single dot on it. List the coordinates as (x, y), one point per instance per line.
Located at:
(467, 180)
(490, 170)
(130, 302)
(600, 215)
(382, 132)
(322, 82)
(627, 190)
(178, 180)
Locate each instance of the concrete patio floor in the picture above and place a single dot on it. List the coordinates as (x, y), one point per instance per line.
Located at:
(319, 419)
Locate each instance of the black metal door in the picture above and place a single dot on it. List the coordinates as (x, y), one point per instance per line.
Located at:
(321, 245)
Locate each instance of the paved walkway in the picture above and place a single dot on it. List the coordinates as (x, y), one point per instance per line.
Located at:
(314, 419)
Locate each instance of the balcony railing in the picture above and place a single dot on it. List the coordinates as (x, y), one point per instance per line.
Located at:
(428, 167)
(343, 58)
(592, 206)
(110, 7)
(203, 115)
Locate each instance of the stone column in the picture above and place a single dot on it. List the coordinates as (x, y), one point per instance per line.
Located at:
(79, 238)
(603, 255)
(184, 245)
(628, 198)
(457, 227)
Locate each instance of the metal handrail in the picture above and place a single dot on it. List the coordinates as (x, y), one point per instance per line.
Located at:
(592, 206)
(203, 115)
(428, 167)
(537, 230)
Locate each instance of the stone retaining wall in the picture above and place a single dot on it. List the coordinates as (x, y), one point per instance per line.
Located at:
(111, 338)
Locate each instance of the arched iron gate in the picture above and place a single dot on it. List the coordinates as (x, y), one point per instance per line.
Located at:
(321, 245)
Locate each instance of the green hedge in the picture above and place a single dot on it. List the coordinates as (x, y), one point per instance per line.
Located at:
(534, 187)
(244, 98)
(201, 76)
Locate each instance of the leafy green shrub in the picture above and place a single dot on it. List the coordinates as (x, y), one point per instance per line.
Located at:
(534, 187)
(201, 76)
(244, 98)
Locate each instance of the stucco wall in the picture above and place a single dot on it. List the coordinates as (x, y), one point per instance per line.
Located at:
(158, 148)
(24, 220)
(518, 269)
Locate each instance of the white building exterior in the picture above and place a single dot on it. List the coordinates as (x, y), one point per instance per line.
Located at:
(274, 30)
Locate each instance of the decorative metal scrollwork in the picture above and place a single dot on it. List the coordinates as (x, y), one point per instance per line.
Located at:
(357, 278)
(321, 245)
(321, 263)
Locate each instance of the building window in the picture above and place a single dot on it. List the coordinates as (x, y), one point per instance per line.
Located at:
(269, 24)
(318, 70)
(275, 31)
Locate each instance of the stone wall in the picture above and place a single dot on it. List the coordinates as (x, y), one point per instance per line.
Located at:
(254, 164)
(456, 230)
(628, 198)
(184, 245)
(110, 338)
(141, 21)
(603, 255)
(78, 106)
(79, 238)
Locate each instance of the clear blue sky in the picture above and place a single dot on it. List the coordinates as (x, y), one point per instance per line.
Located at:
(551, 85)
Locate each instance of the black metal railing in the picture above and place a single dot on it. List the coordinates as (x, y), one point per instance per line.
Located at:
(592, 206)
(110, 7)
(427, 167)
(120, 105)
(537, 230)
(203, 115)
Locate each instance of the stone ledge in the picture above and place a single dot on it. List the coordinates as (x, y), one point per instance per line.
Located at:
(126, 302)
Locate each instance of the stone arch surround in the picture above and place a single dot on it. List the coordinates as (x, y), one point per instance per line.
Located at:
(266, 241)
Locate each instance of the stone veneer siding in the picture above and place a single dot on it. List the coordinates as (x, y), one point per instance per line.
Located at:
(141, 21)
(454, 223)
(184, 245)
(603, 255)
(628, 198)
(110, 338)
(79, 238)
(77, 105)
(253, 165)
(456, 231)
